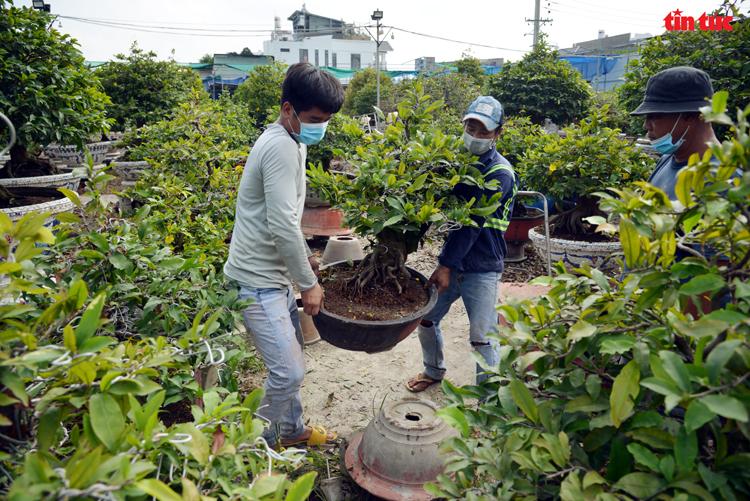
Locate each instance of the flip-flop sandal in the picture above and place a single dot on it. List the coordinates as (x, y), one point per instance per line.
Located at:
(421, 383)
(319, 436)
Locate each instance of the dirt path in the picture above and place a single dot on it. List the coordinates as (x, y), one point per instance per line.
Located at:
(343, 390)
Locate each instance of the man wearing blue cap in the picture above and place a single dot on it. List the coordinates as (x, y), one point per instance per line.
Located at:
(471, 261)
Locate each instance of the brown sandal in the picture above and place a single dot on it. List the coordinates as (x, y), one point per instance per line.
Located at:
(420, 382)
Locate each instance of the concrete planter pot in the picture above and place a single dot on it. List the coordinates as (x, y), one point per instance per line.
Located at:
(67, 181)
(574, 253)
(342, 248)
(71, 156)
(130, 171)
(373, 336)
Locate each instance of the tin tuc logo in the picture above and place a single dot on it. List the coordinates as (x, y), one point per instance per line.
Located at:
(675, 21)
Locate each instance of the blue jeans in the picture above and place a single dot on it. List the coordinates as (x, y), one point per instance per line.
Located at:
(479, 292)
(273, 324)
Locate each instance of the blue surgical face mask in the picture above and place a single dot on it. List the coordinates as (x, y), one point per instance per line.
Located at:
(664, 144)
(309, 134)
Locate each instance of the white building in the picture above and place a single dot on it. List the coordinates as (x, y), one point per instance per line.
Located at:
(326, 42)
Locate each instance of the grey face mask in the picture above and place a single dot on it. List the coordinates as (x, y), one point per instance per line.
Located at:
(476, 146)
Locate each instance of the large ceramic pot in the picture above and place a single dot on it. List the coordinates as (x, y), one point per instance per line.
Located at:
(71, 156)
(130, 171)
(323, 221)
(55, 207)
(68, 181)
(574, 253)
(399, 451)
(374, 336)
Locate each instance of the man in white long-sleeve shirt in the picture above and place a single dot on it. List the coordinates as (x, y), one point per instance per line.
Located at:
(268, 249)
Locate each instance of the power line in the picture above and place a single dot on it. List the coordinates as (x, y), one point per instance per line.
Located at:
(619, 16)
(613, 8)
(458, 41)
(603, 19)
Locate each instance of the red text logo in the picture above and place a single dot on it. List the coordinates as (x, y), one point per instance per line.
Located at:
(675, 21)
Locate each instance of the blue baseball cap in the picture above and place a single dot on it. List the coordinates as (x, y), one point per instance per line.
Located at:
(487, 110)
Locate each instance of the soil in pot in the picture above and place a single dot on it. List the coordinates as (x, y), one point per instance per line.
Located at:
(377, 302)
(176, 413)
(21, 197)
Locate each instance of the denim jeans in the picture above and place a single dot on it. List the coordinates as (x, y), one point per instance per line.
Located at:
(479, 292)
(273, 324)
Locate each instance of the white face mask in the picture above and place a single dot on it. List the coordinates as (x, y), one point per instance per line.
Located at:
(476, 146)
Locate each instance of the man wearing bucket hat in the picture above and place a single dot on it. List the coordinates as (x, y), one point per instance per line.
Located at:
(471, 261)
(673, 120)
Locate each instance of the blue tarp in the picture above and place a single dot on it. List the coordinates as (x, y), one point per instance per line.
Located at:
(592, 66)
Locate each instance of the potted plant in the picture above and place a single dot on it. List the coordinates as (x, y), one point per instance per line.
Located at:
(404, 182)
(589, 159)
(49, 95)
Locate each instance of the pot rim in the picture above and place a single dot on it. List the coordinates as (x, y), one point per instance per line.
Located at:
(539, 213)
(433, 295)
(562, 241)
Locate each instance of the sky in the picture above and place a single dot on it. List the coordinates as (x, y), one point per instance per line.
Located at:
(486, 29)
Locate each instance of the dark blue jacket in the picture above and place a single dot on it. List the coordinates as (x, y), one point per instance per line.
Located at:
(483, 249)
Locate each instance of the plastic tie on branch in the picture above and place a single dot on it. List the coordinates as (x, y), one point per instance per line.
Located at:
(272, 455)
(183, 438)
(449, 226)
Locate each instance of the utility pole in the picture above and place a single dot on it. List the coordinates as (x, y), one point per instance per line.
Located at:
(377, 16)
(537, 21)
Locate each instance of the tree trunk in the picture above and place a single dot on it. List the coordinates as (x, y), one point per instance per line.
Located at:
(572, 220)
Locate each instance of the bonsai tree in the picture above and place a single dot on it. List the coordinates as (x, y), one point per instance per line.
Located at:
(610, 391)
(403, 185)
(46, 89)
(590, 158)
(471, 66)
(541, 85)
(144, 90)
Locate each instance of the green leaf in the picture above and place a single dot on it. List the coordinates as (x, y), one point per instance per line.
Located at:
(15, 384)
(302, 487)
(631, 244)
(594, 386)
(615, 345)
(660, 386)
(157, 489)
(726, 406)
(666, 465)
(598, 438)
(49, 423)
(107, 420)
(685, 449)
(506, 401)
(697, 415)
(455, 418)
(675, 367)
(702, 328)
(72, 196)
(703, 283)
(641, 485)
(619, 461)
(67, 217)
(719, 357)
(524, 400)
(90, 320)
(96, 344)
(119, 261)
(644, 456)
(624, 391)
(653, 437)
(529, 358)
(581, 330)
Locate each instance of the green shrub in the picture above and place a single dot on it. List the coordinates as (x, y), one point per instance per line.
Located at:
(724, 55)
(46, 90)
(262, 90)
(610, 391)
(361, 93)
(404, 183)
(590, 158)
(541, 86)
(144, 90)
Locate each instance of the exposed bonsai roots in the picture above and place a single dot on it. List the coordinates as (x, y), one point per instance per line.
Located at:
(385, 263)
(572, 220)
